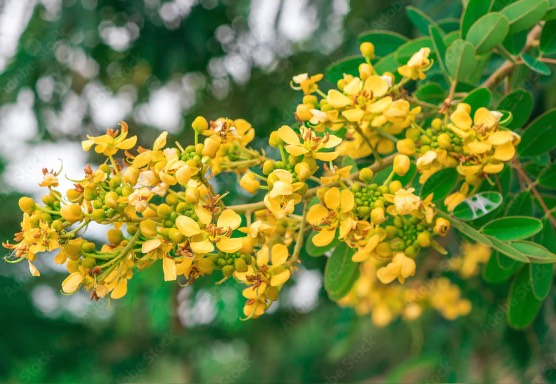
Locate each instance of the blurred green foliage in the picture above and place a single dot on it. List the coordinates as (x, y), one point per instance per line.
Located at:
(47, 337)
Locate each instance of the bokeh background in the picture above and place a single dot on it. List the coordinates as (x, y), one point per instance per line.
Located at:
(74, 67)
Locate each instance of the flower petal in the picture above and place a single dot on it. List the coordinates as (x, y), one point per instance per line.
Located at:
(169, 267)
(229, 245)
(279, 254)
(288, 135)
(71, 283)
(336, 99)
(280, 279)
(332, 198)
(228, 218)
(187, 226)
(324, 237)
(150, 245)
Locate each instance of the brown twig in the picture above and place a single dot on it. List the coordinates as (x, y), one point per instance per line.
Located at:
(525, 178)
(508, 66)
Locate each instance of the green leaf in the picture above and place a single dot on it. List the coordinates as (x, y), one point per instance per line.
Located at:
(548, 178)
(522, 305)
(340, 272)
(388, 63)
(451, 37)
(313, 250)
(449, 25)
(479, 237)
(506, 262)
(551, 11)
(487, 32)
(440, 183)
(522, 205)
(477, 205)
(516, 42)
(541, 279)
(474, 11)
(548, 38)
(420, 19)
(460, 60)
(480, 97)
(513, 228)
(348, 65)
(536, 65)
(430, 93)
(535, 252)
(520, 104)
(385, 42)
(508, 250)
(439, 46)
(540, 135)
(493, 273)
(404, 52)
(524, 14)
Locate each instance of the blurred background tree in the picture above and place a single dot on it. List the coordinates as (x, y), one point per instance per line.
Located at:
(74, 67)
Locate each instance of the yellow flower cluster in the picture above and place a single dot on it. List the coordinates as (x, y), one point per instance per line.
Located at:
(370, 107)
(477, 147)
(385, 303)
(161, 206)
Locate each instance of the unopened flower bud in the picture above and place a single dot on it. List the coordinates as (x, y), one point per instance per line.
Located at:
(365, 71)
(275, 140)
(148, 228)
(377, 215)
(395, 186)
(27, 205)
(424, 239)
(205, 266)
(269, 166)
(444, 141)
(212, 145)
(441, 226)
(200, 124)
(406, 147)
(71, 213)
(111, 199)
(131, 174)
(192, 195)
(436, 123)
(240, 265)
(249, 182)
(367, 50)
(401, 164)
(366, 175)
(115, 236)
(303, 171)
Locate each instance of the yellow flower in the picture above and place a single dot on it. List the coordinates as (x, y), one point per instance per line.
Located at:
(307, 83)
(455, 198)
(405, 202)
(401, 267)
(334, 175)
(335, 211)
(417, 65)
(50, 179)
(278, 272)
(472, 256)
(282, 197)
(111, 142)
(271, 272)
(239, 131)
(311, 144)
